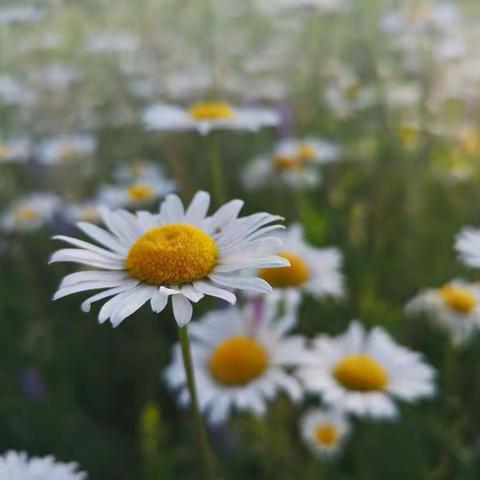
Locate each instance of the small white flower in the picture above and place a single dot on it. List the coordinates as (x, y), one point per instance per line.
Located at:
(467, 246)
(315, 271)
(29, 212)
(363, 372)
(207, 116)
(56, 150)
(294, 163)
(17, 14)
(455, 307)
(18, 466)
(111, 42)
(14, 92)
(180, 254)
(239, 358)
(15, 150)
(324, 432)
(86, 211)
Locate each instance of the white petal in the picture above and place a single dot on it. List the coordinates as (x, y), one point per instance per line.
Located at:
(252, 284)
(198, 209)
(182, 309)
(209, 289)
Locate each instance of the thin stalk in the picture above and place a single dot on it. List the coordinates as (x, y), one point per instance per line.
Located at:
(216, 170)
(201, 434)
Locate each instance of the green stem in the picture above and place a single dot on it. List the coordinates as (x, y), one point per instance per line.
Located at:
(216, 170)
(201, 434)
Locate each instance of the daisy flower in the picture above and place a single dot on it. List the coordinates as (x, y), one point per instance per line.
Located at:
(315, 271)
(19, 14)
(363, 372)
(16, 150)
(137, 170)
(86, 211)
(30, 212)
(293, 162)
(139, 192)
(53, 151)
(206, 116)
(239, 358)
(183, 254)
(18, 466)
(454, 307)
(324, 432)
(467, 246)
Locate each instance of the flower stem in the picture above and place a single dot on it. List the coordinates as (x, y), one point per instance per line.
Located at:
(216, 170)
(201, 434)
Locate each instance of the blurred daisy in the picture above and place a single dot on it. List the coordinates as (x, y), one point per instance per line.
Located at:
(324, 432)
(111, 42)
(363, 372)
(323, 6)
(467, 246)
(315, 271)
(30, 212)
(16, 150)
(239, 357)
(206, 116)
(87, 211)
(62, 148)
(137, 170)
(293, 162)
(176, 253)
(139, 192)
(18, 14)
(13, 92)
(455, 307)
(18, 466)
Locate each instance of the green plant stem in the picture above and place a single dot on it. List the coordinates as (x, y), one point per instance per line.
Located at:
(216, 170)
(201, 434)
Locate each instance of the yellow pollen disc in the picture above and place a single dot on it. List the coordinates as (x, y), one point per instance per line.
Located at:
(305, 152)
(292, 276)
(407, 134)
(89, 214)
(352, 90)
(283, 162)
(24, 214)
(360, 372)
(238, 360)
(139, 192)
(171, 254)
(459, 299)
(469, 142)
(211, 111)
(68, 151)
(326, 434)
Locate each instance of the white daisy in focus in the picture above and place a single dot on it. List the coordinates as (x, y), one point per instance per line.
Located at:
(63, 148)
(363, 373)
(324, 432)
(18, 466)
(454, 307)
(467, 246)
(240, 359)
(293, 162)
(206, 116)
(30, 212)
(176, 253)
(16, 150)
(314, 271)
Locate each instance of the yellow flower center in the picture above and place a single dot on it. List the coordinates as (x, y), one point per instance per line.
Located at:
(459, 299)
(4, 152)
(360, 372)
(139, 192)
(25, 214)
(352, 90)
(68, 151)
(326, 435)
(172, 254)
(89, 214)
(305, 152)
(238, 360)
(284, 162)
(211, 111)
(469, 142)
(407, 134)
(292, 276)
